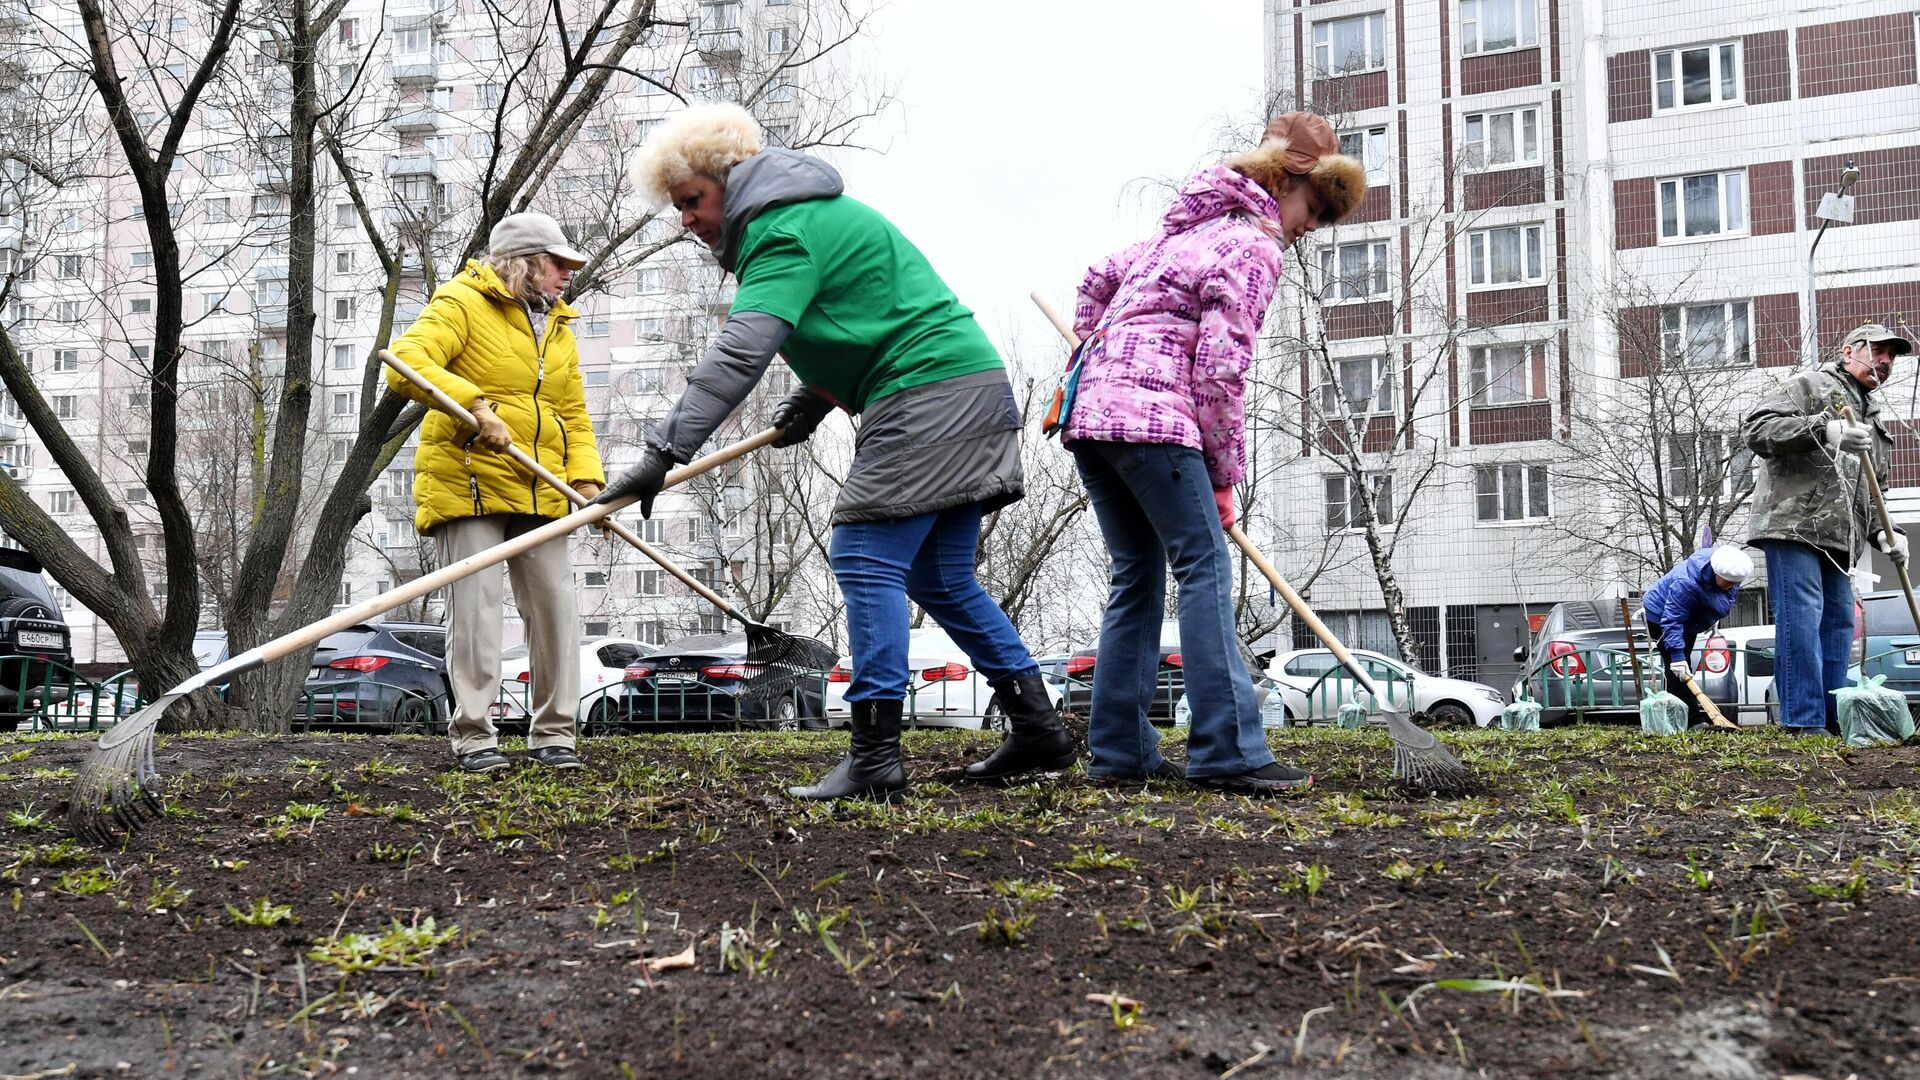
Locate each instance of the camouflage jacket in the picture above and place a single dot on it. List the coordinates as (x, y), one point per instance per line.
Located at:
(1806, 492)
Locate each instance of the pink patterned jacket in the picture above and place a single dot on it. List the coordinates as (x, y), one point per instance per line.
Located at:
(1181, 314)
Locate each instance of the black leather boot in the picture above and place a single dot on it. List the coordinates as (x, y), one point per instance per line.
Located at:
(873, 768)
(1037, 742)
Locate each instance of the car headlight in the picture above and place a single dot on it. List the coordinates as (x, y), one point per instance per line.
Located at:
(1490, 692)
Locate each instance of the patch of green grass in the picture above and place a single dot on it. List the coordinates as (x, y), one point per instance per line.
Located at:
(17, 756)
(1849, 891)
(62, 773)
(1305, 879)
(261, 912)
(167, 896)
(29, 819)
(1098, 857)
(1006, 930)
(399, 947)
(88, 882)
(61, 852)
(1351, 810)
(1023, 889)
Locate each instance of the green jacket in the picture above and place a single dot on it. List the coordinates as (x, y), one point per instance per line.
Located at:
(1806, 492)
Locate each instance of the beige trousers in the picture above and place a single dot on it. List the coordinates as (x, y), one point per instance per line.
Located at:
(543, 589)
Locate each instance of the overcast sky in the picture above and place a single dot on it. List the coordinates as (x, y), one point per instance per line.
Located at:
(1013, 154)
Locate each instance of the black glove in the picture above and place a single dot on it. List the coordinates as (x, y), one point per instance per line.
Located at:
(644, 480)
(798, 415)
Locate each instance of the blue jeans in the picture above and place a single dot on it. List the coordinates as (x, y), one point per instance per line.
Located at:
(1155, 507)
(1812, 601)
(927, 558)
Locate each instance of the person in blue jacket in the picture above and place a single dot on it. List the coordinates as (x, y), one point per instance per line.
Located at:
(1686, 601)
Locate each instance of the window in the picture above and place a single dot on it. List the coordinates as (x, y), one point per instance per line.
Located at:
(1344, 46)
(1369, 147)
(650, 329)
(653, 531)
(720, 14)
(489, 95)
(1365, 386)
(342, 357)
(1715, 465)
(343, 402)
(399, 483)
(595, 377)
(596, 327)
(140, 305)
(136, 496)
(1498, 140)
(212, 303)
(136, 446)
(1354, 271)
(1489, 25)
(413, 41)
(349, 30)
(1706, 204)
(61, 502)
(1513, 492)
(440, 146)
(269, 205)
(1501, 374)
(345, 307)
(66, 310)
(66, 406)
(440, 99)
(652, 280)
(343, 262)
(779, 39)
(1345, 509)
(219, 211)
(67, 266)
(1696, 76)
(647, 582)
(345, 216)
(143, 258)
(346, 594)
(137, 399)
(1507, 256)
(219, 165)
(595, 579)
(780, 90)
(66, 359)
(1708, 335)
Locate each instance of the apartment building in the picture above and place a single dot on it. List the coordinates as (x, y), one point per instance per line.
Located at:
(1585, 253)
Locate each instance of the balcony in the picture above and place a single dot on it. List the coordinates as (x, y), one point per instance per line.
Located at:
(719, 44)
(12, 429)
(412, 263)
(406, 14)
(416, 70)
(271, 318)
(14, 16)
(270, 268)
(272, 176)
(416, 216)
(415, 122)
(402, 165)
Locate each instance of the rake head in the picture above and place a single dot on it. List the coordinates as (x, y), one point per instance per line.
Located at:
(785, 661)
(1422, 761)
(117, 790)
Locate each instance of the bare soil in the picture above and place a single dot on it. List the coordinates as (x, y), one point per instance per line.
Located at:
(1608, 904)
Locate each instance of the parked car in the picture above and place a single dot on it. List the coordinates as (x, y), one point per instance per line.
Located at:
(1734, 665)
(1886, 643)
(697, 682)
(943, 688)
(389, 676)
(36, 655)
(210, 648)
(1578, 664)
(1171, 684)
(1314, 685)
(603, 665)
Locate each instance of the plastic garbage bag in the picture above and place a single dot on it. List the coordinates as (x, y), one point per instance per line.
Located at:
(1521, 716)
(1353, 715)
(1872, 715)
(1663, 714)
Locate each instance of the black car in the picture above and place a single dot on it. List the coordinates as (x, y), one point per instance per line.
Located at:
(36, 654)
(389, 676)
(697, 682)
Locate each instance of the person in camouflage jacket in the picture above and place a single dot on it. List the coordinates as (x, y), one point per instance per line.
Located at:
(1812, 510)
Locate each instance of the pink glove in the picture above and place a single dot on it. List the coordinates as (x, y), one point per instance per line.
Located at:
(1223, 502)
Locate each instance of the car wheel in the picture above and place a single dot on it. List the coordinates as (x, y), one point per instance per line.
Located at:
(995, 718)
(412, 716)
(599, 723)
(1449, 714)
(786, 716)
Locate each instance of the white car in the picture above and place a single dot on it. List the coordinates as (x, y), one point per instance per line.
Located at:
(1312, 693)
(943, 689)
(603, 667)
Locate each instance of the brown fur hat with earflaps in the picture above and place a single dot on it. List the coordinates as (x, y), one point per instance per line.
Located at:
(1302, 145)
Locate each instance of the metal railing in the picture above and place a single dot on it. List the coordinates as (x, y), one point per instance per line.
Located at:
(1600, 681)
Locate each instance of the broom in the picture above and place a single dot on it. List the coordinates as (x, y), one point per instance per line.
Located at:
(1419, 759)
(117, 789)
(779, 661)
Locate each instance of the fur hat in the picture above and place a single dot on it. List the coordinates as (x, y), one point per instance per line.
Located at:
(1300, 144)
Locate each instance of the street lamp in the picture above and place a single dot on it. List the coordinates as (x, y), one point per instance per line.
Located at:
(1834, 206)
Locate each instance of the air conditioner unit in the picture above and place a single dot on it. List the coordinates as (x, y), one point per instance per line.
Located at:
(19, 472)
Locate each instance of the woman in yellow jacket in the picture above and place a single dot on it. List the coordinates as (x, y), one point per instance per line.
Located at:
(496, 338)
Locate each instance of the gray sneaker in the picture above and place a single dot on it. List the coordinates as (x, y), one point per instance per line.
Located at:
(484, 761)
(557, 757)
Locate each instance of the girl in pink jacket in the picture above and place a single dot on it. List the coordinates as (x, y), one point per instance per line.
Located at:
(1157, 430)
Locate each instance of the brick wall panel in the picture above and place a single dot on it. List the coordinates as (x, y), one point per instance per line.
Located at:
(1350, 93)
(1377, 437)
(1776, 330)
(1633, 213)
(1770, 198)
(1503, 307)
(1489, 425)
(1843, 309)
(1629, 86)
(1904, 469)
(1507, 187)
(1501, 71)
(1638, 329)
(1763, 59)
(1358, 320)
(1376, 206)
(1855, 55)
(1889, 188)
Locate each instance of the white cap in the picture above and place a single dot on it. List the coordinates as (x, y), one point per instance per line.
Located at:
(1731, 564)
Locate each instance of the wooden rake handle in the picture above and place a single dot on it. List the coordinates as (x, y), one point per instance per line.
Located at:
(1293, 599)
(458, 412)
(1714, 715)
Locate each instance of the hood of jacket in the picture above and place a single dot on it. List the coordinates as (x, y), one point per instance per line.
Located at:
(768, 179)
(1214, 193)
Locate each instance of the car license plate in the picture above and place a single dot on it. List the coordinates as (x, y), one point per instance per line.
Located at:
(36, 639)
(1913, 656)
(672, 678)
(314, 674)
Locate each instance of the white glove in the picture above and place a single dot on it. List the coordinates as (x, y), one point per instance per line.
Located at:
(1847, 437)
(1681, 670)
(1895, 545)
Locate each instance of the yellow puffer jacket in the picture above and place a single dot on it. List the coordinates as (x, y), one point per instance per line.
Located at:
(474, 339)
